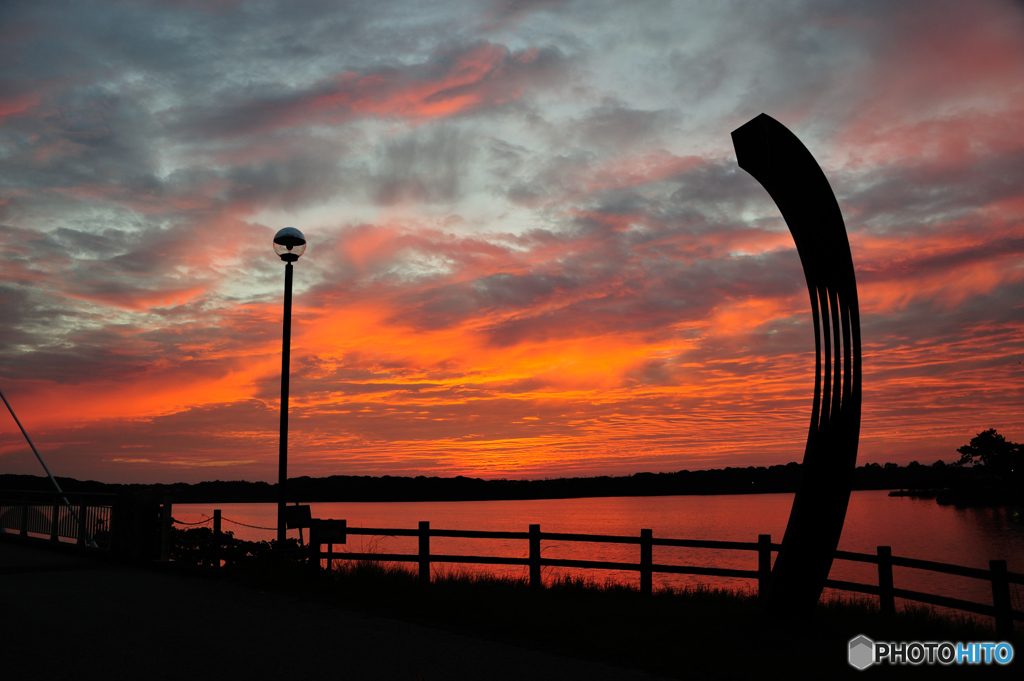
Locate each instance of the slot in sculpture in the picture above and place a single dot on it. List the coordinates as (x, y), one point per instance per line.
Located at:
(785, 168)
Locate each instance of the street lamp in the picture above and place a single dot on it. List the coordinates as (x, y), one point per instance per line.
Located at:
(289, 243)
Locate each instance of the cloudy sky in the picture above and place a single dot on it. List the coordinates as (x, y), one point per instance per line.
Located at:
(531, 252)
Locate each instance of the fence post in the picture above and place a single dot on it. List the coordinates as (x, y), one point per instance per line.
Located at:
(24, 518)
(424, 552)
(886, 599)
(764, 564)
(217, 537)
(54, 520)
(646, 562)
(81, 524)
(313, 558)
(535, 557)
(1001, 598)
(165, 530)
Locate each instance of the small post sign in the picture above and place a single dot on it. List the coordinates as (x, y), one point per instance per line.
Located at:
(296, 517)
(329, 531)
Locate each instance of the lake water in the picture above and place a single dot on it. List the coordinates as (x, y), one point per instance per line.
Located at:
(914, 528)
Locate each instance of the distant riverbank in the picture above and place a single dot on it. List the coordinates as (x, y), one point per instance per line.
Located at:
(750, 480)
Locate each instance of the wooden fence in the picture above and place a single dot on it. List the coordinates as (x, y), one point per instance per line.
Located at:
(331, 532)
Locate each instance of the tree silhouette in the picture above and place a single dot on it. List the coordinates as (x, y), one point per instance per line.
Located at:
(994, 453)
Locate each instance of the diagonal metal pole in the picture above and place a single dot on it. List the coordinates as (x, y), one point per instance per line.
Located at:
(47, 469)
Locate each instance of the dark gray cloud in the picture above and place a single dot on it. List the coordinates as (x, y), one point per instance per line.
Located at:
(619, 127)
(455, 78)
(426, 166)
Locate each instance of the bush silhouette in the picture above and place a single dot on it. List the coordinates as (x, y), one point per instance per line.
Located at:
(199, 546)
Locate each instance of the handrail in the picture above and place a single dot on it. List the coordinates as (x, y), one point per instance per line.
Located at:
(998, 575)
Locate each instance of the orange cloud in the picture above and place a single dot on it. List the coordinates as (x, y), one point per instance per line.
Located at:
(13, 105)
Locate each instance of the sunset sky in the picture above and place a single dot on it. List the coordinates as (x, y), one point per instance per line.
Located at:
(531, 251)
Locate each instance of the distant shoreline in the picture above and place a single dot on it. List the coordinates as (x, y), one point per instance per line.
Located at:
(750, 480)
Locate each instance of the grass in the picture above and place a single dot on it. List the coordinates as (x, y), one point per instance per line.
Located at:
(699, 632)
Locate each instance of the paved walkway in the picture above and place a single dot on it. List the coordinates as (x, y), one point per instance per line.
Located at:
(69, 617)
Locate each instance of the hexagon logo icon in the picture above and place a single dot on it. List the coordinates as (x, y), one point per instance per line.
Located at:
(862, 652)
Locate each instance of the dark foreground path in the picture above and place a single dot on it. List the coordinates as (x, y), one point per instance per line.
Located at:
(68, 617)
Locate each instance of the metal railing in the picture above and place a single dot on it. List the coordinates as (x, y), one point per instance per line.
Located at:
(81, 518)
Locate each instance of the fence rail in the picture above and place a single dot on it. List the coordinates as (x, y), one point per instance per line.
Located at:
(332, 532)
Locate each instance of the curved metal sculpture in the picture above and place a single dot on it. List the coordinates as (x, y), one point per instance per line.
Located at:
(776, 158)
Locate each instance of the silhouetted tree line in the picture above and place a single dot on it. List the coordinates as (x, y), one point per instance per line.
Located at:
(749, 480)
(180, 492)
(990, 470)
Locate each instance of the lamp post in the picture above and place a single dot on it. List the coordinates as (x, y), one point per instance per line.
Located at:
(289, 243)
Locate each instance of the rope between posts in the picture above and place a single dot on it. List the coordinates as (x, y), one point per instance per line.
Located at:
(203, 522)
(255, 527)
